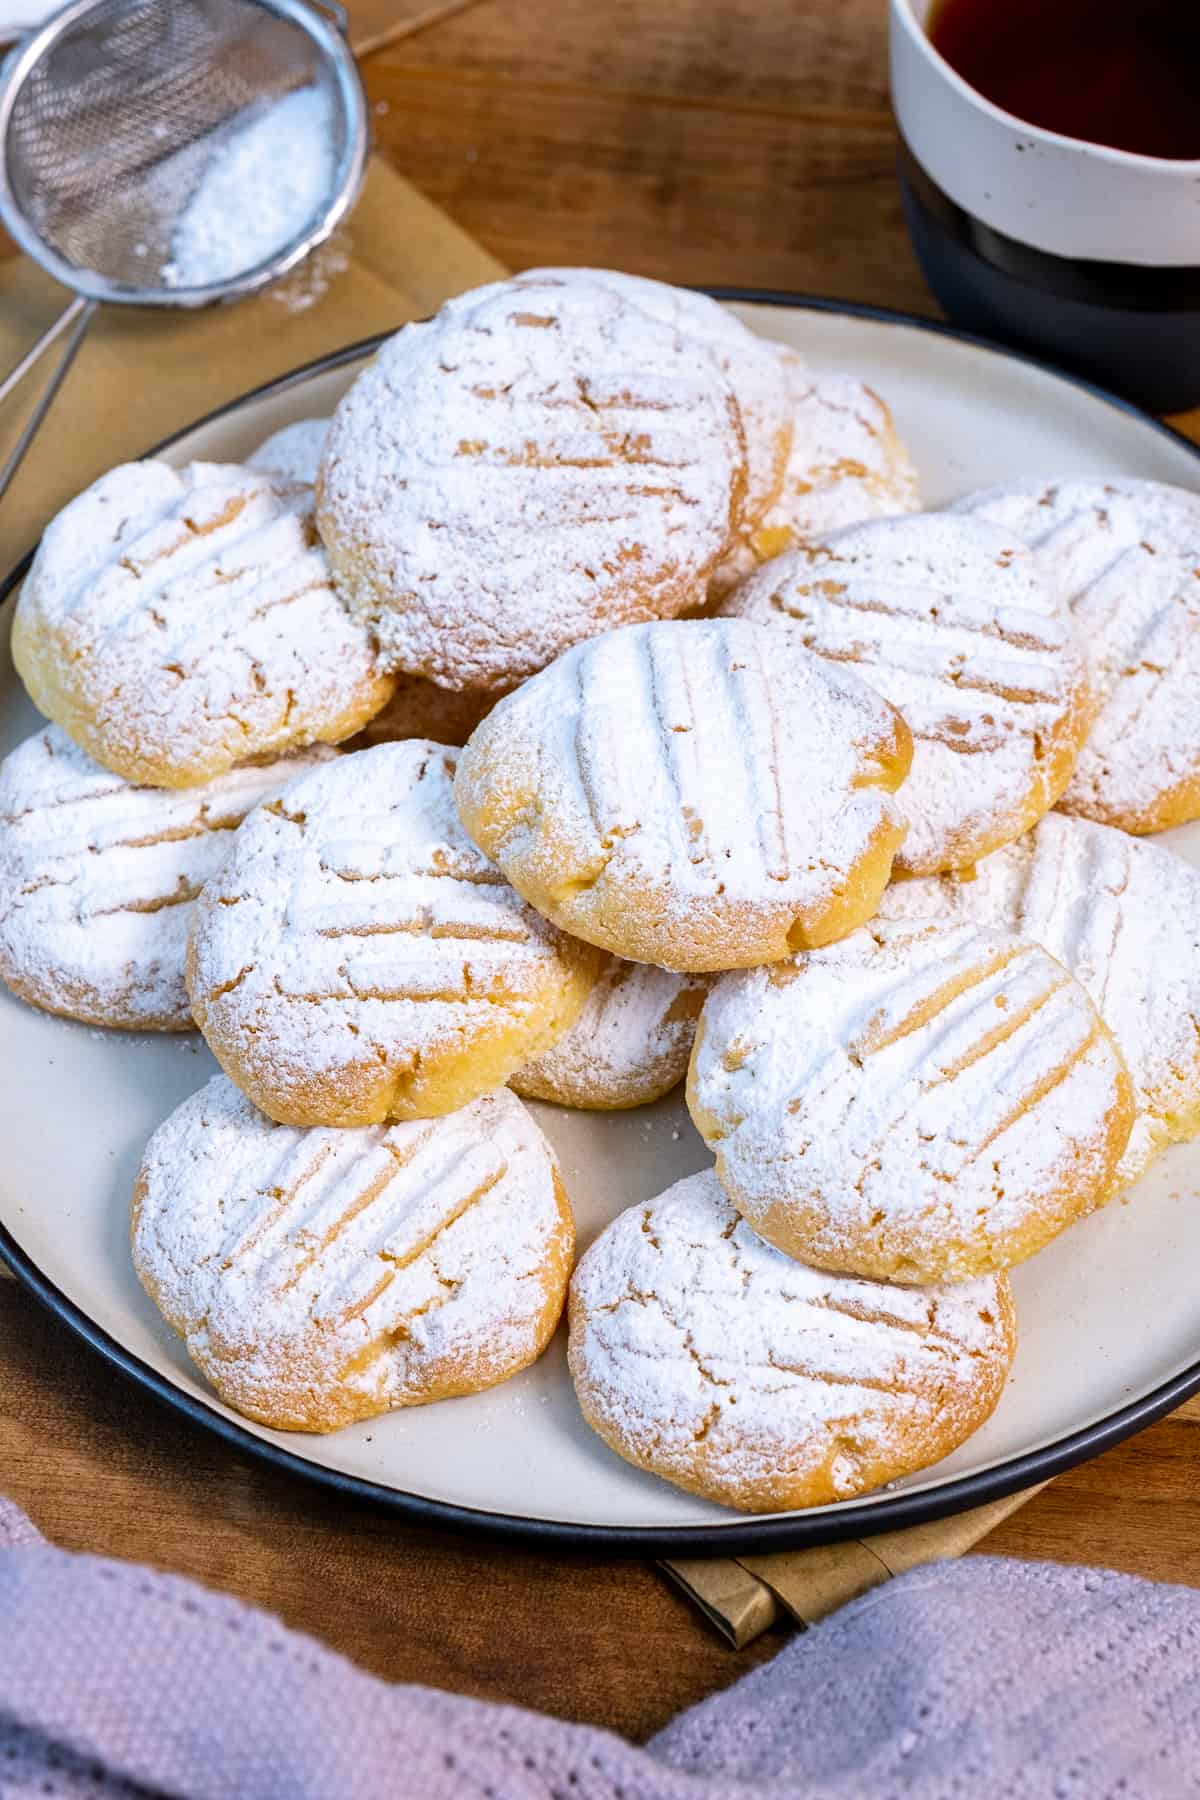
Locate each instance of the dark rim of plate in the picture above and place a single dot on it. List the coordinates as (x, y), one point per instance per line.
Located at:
(779, 1531)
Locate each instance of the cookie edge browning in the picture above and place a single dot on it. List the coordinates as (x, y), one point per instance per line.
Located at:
(778, 1492)
(531, 1081)
(531, 1086)
(494, 811)
(364, 1091)
(800, 1232)
(1052, 770)
(1055, 770)
(1178, 804)
(759, 544)
(37, 653)
(1171, 1113)
(41, 652)
(70, 996)
(902, 473)
(80, 1001)
(306, 1411)
(370, 600)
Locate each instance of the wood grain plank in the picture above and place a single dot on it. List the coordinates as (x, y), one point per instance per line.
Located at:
(738, 144)
(791, 57)
(690, 195)
(1136, 1508)
(379, 23)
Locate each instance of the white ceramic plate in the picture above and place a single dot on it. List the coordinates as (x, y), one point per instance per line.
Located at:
(1109, 1321)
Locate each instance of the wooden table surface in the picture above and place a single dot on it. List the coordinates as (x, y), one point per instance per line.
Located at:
(736, 143)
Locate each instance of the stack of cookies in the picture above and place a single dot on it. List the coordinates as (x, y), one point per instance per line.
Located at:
(586, 704)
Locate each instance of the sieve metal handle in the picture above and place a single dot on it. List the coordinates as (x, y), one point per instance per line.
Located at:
(74, 318)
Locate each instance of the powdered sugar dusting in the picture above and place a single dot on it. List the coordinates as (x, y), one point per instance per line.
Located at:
(293, 452)
(701, 1353)
(1124, 916)
(356, 940)
(1125, 556)
(308, 283)
(540, 461)
(687, 793)
(98, 879)
(948, 1100)
(846, 464)
(629, 1045)
(951, 620)
(178, 622)
(323, 1276)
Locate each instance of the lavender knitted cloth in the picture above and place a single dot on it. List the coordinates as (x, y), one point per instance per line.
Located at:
(971, 1679)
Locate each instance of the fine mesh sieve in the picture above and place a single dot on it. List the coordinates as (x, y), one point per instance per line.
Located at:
(110, 118)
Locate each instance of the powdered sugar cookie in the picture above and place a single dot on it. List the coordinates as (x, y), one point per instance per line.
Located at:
(701, 794)
(319, 1277)
(750, 363)
(630, 1044)
(98, 879)
(293, 452)
(357, 959)
(176, 623)
(541, 461)
(421, 709)
(921, 1102)
(704, 1355)
(1126, 556)
(847, 463)
(950, 619)
(1124, 917)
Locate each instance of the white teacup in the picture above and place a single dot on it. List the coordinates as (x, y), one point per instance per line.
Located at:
(1085, 254)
